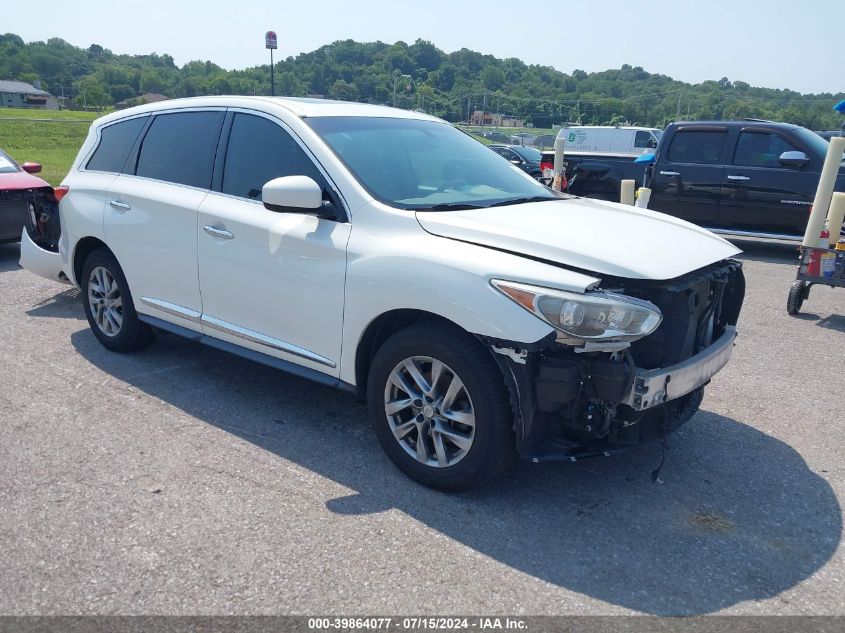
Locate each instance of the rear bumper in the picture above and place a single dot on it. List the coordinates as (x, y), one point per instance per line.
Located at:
(42, 262)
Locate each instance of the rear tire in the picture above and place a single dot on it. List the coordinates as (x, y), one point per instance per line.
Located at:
(461, 411)
(108, 305)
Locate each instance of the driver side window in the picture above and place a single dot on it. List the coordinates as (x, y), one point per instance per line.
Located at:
(760, 149)
(258, 151)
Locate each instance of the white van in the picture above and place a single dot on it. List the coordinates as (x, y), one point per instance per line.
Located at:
(610, 139)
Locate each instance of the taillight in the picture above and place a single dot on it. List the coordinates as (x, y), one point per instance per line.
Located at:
(544, 166)
(60, 192)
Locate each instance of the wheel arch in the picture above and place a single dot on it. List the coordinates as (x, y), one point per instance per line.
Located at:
(81, 251)
(379, 330)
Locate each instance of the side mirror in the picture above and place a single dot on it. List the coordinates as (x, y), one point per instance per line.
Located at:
(31, 168)
(516, 161)
(297, 194)
(793, 159)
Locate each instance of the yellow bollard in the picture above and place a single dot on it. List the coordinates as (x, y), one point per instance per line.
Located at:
(558, 167)
(824, 193)
(643, 196)
(626, 195)
(836, 216)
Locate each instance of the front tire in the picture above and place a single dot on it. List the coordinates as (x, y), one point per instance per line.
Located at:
(108, 305)
(439, 407)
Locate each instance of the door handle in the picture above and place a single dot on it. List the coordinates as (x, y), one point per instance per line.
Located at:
(670, 173)
(215, 232)
(738, 178)
(117, 204)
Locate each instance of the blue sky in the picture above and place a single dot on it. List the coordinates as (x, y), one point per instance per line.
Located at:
(772, 43)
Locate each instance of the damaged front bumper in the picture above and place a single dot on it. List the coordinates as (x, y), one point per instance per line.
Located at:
(571, 402)
(652, 387)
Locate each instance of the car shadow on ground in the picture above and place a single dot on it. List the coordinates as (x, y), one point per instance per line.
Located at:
(64, 305)
(740, 516)
(9, 256)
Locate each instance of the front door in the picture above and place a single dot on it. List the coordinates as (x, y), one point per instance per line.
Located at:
(272, 282)
(763, 196)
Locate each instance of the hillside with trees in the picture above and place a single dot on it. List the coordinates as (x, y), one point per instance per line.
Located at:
(448, 85)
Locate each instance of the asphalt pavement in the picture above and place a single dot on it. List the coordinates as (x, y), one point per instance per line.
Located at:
(183, 480)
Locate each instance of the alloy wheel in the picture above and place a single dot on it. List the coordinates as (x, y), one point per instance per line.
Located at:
(429, 411)
(105, 301)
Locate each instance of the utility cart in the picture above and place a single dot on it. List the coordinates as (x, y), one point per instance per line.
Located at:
(823, 266)
(822, 256)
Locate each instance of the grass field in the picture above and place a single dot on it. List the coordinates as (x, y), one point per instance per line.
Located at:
(53, 143)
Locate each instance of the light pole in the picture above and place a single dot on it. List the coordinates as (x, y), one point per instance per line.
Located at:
(395, 79)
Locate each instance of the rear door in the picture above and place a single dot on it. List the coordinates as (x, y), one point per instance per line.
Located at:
(761, 195)
(687, 181)
(151, 213)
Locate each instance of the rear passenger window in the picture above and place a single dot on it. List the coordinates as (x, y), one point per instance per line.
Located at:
(698, 146)
(116, 141)
(258, 151)
(180, 148)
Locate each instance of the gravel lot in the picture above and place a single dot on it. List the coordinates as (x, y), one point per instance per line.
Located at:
(182, 480)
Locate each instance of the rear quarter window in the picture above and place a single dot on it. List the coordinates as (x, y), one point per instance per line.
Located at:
(116, 141)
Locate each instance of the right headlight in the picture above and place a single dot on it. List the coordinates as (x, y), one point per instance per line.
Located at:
(588, 316)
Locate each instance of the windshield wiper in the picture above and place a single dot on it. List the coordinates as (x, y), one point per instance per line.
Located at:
(504, 203)
(453, 206)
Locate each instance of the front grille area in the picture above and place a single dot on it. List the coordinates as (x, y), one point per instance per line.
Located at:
(696, 308)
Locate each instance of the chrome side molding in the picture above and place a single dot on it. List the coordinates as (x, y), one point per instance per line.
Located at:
(263, 339)
(236, 330)
(172, 308)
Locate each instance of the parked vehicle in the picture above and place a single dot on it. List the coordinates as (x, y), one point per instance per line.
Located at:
(753, 178)
(382, 251)
(21, 194)
(745, 178)
(592, 175)
(526, 158)
(615, 140)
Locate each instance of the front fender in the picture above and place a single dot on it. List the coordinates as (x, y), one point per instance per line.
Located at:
(419, 271)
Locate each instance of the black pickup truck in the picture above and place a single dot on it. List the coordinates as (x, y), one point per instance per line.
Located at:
(752, 178)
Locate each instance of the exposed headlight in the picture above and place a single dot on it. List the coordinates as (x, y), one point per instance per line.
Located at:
(588, 316)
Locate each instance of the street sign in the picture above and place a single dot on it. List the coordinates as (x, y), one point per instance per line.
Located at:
(270, 40)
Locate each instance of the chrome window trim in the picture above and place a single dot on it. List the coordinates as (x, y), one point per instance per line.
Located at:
(262, 339)
(99, 130)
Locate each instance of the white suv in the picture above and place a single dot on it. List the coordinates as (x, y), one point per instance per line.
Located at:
(482, 315)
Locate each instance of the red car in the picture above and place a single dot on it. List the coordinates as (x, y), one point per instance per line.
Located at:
(21, 196)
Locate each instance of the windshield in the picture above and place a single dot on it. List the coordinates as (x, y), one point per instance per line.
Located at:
(413, 164)
(531, 154)
(7, 165)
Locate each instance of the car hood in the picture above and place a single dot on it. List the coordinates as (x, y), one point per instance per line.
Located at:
(20, 180)
(590, 235)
